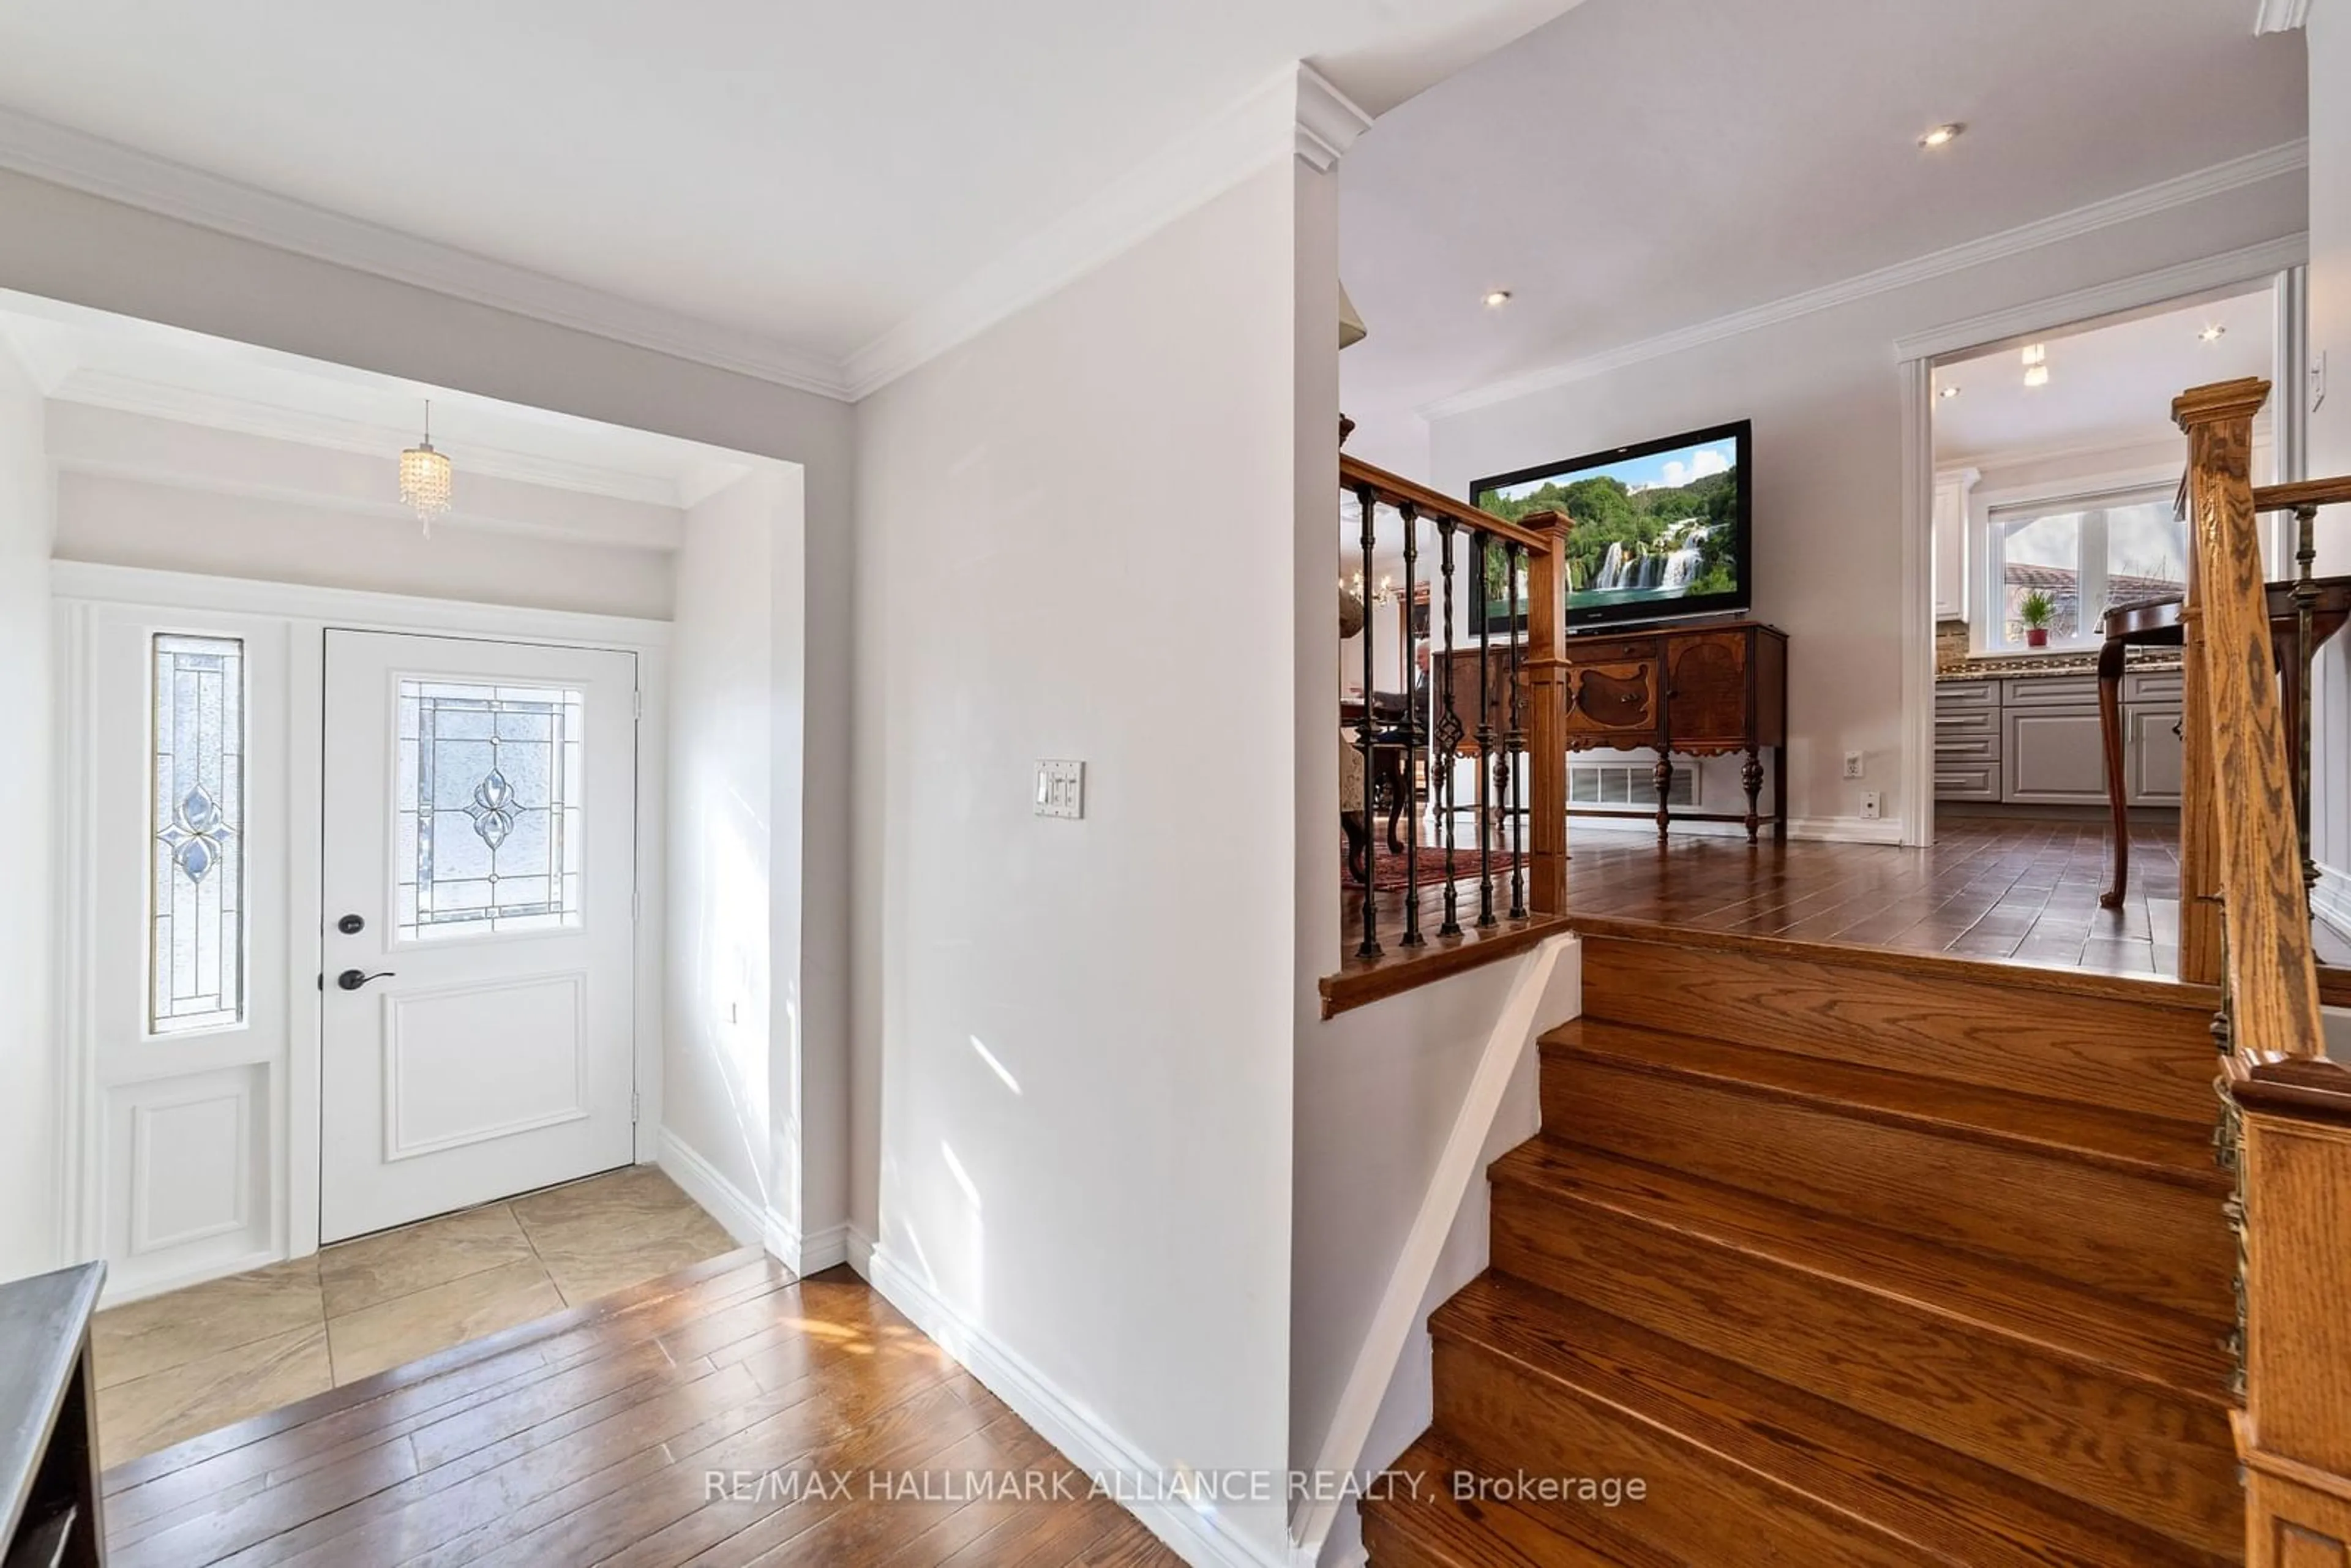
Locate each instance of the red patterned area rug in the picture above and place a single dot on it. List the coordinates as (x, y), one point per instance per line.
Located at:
(1388, 866)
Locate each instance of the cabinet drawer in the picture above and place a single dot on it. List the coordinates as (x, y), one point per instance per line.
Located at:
(2050, 690)
(2153, 685)
(1586, 650)
(1953, 695)
(1966, 780)
(1955, 725)
(1972, 745)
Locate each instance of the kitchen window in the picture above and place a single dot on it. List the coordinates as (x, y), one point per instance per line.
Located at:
(2086, 554)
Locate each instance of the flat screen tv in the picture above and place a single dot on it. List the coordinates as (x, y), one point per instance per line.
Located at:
(1661, 529)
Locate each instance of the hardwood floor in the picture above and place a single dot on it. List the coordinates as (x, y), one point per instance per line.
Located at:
(725, 1415)
(2008, 890)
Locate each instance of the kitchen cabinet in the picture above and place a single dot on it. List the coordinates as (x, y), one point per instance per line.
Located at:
(1953, 489)
(2034, 740)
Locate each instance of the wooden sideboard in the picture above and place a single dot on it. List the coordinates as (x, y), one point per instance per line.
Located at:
(1705, 690)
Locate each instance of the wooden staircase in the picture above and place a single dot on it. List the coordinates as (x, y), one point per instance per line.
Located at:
(1851, 1258)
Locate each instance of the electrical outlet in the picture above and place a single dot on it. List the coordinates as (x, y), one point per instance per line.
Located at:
(1852, 764)
(1872, 806)
(1061, 788)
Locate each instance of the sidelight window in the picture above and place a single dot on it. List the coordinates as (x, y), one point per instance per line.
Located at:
(196, 964)
(487, 835)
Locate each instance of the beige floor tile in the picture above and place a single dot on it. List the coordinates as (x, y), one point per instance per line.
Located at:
(144, 1414)
(408, 1327)
(184, 1327)
(633, 1191)
(356, 1274)
(613, 1231)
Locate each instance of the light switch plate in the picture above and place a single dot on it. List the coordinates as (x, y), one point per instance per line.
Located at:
(1061, 788)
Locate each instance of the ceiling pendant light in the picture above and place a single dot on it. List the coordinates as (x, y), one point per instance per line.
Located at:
(424, 476)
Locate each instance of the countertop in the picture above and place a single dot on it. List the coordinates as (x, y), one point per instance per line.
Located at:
(2026, 665)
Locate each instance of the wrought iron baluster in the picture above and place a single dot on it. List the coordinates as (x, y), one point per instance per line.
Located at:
(1447, 749)
(2305, 601)
(1486, 793)
(1366, 732)
(1515, 555)
(1412, 937)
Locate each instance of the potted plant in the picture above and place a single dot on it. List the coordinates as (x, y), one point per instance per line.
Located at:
(2036, 613)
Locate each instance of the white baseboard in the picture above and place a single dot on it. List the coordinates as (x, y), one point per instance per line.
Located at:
(1810, 829)
(743, 1217)
(825, 1248)
(1200, 1538)
(859, 1251)
(2330, 900)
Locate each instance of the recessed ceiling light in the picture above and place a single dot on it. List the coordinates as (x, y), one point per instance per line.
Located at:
(2213, 333)
(1948, 392)
(1496, 296)
(1943, 135)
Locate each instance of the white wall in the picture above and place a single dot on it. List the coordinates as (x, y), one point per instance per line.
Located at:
(716, 1079)
(2328, 433)
(1072, 536)
(71, 246)
(1378, 1092)
(1825, 395)
(29, 1236)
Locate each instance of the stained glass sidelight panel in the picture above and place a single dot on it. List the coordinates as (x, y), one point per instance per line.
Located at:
(488, 809)
(196, 835)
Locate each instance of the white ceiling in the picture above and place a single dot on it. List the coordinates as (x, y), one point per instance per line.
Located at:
(105, 361)
(2108, 386)
(1638, 167)
(809, 171)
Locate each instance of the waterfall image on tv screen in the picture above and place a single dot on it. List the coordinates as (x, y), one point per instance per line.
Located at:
(1649, 531)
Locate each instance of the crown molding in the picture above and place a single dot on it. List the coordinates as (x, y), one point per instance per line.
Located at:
(117, 173)
(2246, 265)
(2196, 186)
(1297, 111)
(2280, 16)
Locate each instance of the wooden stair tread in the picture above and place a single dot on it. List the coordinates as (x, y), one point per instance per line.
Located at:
(1954, 1509)
(2137, 1045)
(2122, 1337)
(2136, 1145)
(1441, 1531)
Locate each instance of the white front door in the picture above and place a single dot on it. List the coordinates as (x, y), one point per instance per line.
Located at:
(479, 879)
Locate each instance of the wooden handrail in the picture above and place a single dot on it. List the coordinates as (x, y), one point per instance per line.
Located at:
(2302, 492)
(2285, 1131)
(2272, 977)
(1395, 490)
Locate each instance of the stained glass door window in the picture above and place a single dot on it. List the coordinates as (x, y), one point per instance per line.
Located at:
(195, 965)
(488, 809)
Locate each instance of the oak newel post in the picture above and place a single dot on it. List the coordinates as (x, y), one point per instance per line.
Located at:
(1546, 677)
(2286, 1127)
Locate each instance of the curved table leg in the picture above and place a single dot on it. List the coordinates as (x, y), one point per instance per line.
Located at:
(2110, 734)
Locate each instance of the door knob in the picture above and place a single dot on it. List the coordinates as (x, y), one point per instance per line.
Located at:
(352, 979)
(351, 924)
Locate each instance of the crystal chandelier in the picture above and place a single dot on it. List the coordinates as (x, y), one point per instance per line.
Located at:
(424, 477)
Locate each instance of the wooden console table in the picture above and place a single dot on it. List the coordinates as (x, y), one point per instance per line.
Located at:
(49, 1430)
(1705, 690)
